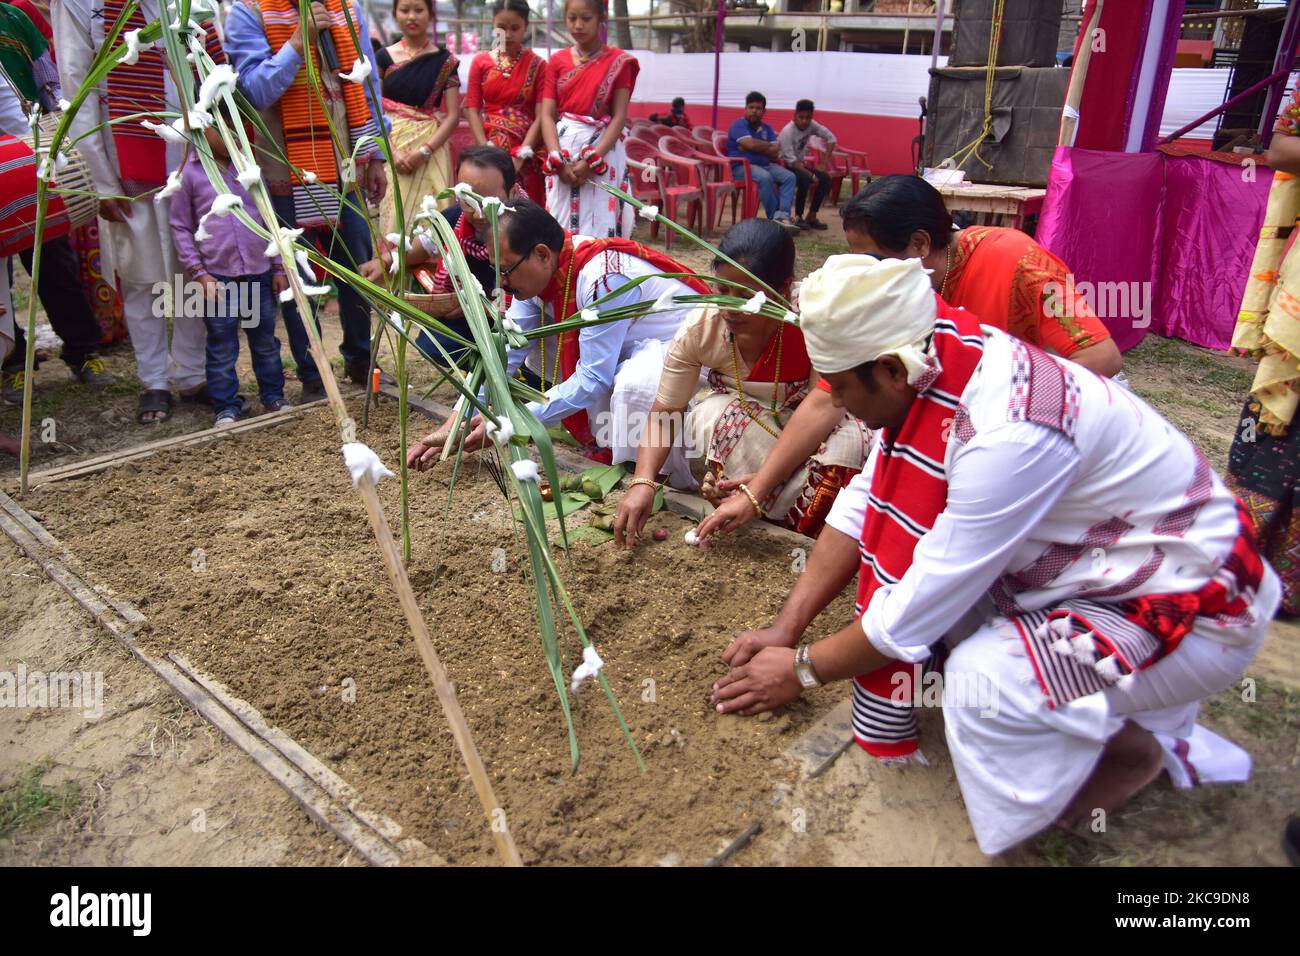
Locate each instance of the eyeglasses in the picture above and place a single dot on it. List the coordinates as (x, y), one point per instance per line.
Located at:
(506, 274)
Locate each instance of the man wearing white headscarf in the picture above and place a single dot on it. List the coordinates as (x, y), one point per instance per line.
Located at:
(1093, 576)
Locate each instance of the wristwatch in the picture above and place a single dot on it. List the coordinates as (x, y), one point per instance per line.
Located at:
(803, 668)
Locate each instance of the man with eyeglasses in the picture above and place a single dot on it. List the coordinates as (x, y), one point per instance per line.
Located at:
(602, 379)
(490, 172)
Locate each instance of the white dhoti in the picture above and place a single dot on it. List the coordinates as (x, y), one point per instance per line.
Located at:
(1020, 764)
(139, 251)
(636, 382)
(590, 210)
(145, 259)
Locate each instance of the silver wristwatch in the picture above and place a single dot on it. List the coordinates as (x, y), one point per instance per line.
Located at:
(803, 668)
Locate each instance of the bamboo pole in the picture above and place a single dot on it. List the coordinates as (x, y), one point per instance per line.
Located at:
(1078, 75)
(402, 585)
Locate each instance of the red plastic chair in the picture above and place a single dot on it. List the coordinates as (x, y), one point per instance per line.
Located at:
(679, 182)
(749, 208)
(855, 167)
(647, 177)
(646, 134)
(837, 170)
(661, 130)
(683, 134)
(704, 134)
(715, 175)
(685, 185)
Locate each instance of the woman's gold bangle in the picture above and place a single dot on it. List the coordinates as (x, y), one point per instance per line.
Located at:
(643, 481)
(758, 510)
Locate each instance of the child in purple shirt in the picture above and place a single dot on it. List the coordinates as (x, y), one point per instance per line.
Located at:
(240, 285)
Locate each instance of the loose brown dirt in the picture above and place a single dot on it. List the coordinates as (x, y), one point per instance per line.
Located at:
(291, 609)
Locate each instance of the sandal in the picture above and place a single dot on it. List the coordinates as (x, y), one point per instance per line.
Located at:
(152, 401)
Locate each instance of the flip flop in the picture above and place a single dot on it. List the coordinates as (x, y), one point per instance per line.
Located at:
(154, 400)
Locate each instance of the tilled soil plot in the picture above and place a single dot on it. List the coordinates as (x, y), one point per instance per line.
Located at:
(254, 559)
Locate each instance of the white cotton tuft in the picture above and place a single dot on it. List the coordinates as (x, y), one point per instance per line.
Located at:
(307, 176)
(666, 302)
(200, 118)
(250, 176)
(464, 195)
(361, 461)
(1108, 668)
(273, 248)
(173, 186)
(503, 434)
(510, 325)
(166, 132)
(589, 315)
(526, 470)
(222, 78)
(286, 294)
(590, 667)
(648, 212)
(132, 41)
(491, 202)
(791, 317)
(360, 70)
(304, 262)
(315, 289)
(65, 105)
(225, 203)
(396, 238)
(754, 305)
(1085, 652)
(201, 234)
(692, 538)
(44, 170)
(392, 270)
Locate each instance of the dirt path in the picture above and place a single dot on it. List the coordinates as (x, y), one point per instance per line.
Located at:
(149, 782)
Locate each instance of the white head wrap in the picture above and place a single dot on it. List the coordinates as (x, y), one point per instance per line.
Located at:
(854, 309)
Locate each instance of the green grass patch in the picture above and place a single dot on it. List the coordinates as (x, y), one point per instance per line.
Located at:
(28, 801)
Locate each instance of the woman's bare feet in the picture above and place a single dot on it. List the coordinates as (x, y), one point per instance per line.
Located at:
(1130, 762)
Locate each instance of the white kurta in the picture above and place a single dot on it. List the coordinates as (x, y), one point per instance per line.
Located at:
(617, 375)
(1040, 516)
(140, 250)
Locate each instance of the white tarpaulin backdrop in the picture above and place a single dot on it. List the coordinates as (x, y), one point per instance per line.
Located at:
(872, 84)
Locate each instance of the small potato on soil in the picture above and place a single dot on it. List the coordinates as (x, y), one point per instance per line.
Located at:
(660, 534)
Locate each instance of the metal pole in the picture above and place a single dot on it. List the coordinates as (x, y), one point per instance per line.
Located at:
(1282, 60)
(717, 55)
(938, 33)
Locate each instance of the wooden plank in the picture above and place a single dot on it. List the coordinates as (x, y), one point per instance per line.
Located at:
(376, 844)
(91, 466)
(736, 845)
(823, 742)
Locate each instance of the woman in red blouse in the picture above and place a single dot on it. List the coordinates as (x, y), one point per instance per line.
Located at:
(504, 87)
(584, 109)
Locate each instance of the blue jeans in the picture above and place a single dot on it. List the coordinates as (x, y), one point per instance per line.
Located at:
(775, 186)
(349, 246)
(233, 310)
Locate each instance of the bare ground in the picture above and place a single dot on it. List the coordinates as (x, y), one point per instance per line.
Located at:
(135, 778)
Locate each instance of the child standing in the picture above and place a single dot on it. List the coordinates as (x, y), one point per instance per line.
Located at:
(240, 284)
(794, 144)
